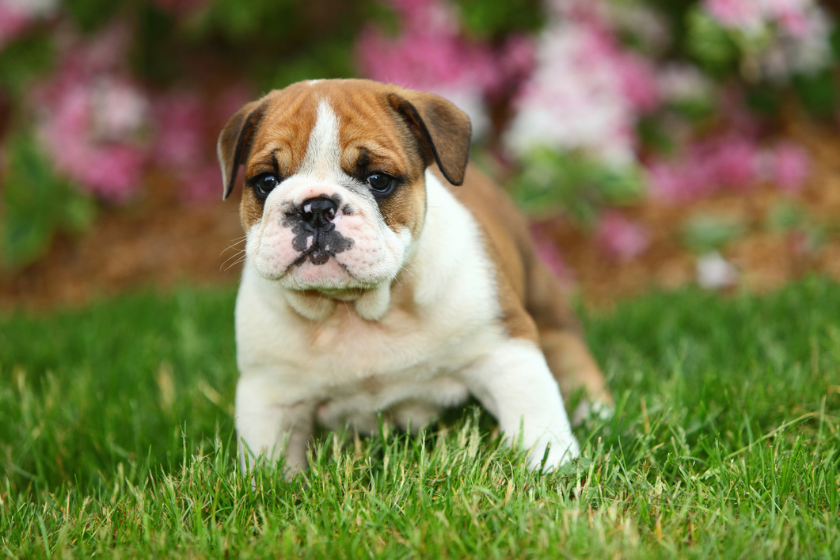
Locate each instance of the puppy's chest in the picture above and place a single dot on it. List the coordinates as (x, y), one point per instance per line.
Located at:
(346, 357)
(401, 367)
(349, 352)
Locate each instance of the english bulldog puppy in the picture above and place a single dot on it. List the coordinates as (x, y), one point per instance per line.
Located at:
(373, 285)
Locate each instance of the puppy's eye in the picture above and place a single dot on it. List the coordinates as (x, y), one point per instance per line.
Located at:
(380, 183)
(264, 184)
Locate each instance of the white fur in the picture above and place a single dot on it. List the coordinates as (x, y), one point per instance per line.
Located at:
(348, 358)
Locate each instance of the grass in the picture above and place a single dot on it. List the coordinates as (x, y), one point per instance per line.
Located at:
(116, 441)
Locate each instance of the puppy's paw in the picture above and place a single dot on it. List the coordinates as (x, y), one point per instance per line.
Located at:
(561, 450)
(596, 409)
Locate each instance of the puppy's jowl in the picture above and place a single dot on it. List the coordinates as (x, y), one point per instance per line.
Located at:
(371, 284)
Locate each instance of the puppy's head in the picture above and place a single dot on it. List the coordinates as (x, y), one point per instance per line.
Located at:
(334, 192)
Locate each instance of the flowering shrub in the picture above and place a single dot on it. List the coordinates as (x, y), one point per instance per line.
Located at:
(771, 39)
(586, 92)
(587, 104)
(91, 116)
(430, 54)
(99, 99)
(17, 15)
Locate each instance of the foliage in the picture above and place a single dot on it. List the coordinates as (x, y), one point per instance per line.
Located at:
(116, 437)
(551, 181)
(499, 19)
(36, 204)
(705, 233)
(641, 88)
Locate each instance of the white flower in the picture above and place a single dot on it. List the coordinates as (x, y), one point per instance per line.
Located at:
(680, 82)
(32, 8)
(119, 109)
(713, 272)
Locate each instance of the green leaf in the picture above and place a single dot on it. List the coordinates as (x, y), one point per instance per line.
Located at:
(705, 232)
(91, 15)
(764, 100)
(36, 204)
(500, 17)
(817, 92)
(552, 181)
(24, 59)
(709, 43)
(784, 216)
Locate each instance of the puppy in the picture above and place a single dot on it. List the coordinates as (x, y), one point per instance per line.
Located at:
(372, 285)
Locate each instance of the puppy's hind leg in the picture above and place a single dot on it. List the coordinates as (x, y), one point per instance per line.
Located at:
(562, 342)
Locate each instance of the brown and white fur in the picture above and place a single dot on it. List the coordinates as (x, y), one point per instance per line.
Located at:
(411, 301)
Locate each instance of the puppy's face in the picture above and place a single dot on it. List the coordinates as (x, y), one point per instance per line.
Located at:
(334, 192)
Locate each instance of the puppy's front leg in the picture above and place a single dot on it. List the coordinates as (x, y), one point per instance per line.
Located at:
(268, 429)
(514, 383)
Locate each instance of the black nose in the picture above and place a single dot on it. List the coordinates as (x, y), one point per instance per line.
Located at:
(318, 212)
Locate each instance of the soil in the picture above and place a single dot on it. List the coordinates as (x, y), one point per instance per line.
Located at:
(158, 241)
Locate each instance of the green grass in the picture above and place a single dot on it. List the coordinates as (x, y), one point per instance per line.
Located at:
(116, 441)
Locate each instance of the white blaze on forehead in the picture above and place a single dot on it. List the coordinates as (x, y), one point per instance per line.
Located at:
(323, 152)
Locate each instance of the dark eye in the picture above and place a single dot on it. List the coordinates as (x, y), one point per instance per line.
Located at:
(380, 183)
(264, 184)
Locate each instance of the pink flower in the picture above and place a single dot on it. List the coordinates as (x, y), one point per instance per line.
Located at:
(790, 167)
(120, 109)
(795, 16)
(426, 60)
(638, 82)
(180, 127)
(13, 21)
(17, 15)
(185, 127)
(110, 169)
(672, 182)
(732, 161)
(515, 61)
(743, 14)
(430, 55)
(582, 96)
(92, 120)
(620, 237)
(779, 37)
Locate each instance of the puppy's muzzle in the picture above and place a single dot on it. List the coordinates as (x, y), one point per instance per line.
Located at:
(315, 235)
(318, 213)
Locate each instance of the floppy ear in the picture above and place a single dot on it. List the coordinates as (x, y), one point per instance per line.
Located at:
(233, 142)
(444, 130)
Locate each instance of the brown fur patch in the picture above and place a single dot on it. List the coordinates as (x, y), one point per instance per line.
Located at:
(533, 305)
(508, 244)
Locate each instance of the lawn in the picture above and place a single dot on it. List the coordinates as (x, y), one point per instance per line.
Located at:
(116, 441)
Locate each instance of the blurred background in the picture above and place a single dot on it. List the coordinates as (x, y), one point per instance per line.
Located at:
(654, 143)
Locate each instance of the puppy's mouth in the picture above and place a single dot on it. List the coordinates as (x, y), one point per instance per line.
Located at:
(318, 244)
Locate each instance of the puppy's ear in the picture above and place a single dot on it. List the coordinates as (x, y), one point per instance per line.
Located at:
(443, 129)
(234, 141)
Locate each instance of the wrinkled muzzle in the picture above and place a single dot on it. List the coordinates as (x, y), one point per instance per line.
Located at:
(324, 237)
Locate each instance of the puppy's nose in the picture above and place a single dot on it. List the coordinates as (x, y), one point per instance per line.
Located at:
(318, 212)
